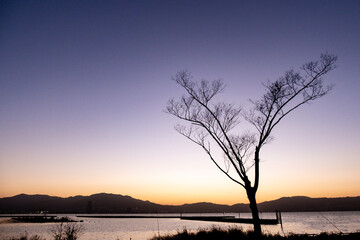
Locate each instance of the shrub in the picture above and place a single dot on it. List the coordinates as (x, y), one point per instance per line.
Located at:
(68, 231)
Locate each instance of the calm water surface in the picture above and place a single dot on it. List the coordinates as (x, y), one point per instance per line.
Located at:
(116, 228)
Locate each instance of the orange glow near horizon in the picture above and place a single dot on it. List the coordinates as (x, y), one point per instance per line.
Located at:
(183, 181)
(178, 196)
(187, 182)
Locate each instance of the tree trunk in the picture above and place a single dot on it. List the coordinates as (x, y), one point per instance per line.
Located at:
(254, 211)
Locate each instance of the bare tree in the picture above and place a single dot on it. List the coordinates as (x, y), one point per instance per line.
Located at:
(211, 123)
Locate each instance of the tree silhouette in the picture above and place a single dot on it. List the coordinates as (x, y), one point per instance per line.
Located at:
(211, 123)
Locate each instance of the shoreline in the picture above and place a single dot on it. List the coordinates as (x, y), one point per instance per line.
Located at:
(37, 219)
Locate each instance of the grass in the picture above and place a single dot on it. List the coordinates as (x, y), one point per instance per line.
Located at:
(25, 236)
(216, 233)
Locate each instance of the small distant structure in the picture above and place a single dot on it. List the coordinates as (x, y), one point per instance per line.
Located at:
(89, 207)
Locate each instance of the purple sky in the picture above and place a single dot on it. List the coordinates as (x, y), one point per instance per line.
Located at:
(83, 85)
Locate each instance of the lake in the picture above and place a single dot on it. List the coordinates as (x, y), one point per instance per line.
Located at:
(145, 228)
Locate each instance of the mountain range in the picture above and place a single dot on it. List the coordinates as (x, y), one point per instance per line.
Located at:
(116, 203)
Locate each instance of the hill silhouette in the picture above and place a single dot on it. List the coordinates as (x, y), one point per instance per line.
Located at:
(116, 203)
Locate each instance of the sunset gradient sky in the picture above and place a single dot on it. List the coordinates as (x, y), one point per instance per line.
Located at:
(83, 86)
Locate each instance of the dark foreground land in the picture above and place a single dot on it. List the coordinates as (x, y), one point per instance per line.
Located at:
(222, 235)
(239, 234)
(73, 232)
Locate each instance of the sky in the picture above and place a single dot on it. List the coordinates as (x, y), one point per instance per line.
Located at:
(84, 85)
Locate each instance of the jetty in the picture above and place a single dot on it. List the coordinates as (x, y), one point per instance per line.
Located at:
(125, 216)
(232, 219)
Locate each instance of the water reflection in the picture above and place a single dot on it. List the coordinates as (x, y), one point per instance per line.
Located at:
(114, 228)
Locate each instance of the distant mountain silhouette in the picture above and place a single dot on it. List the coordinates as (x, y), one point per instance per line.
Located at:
(306, 204)
(97, 203)
(115, 203)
